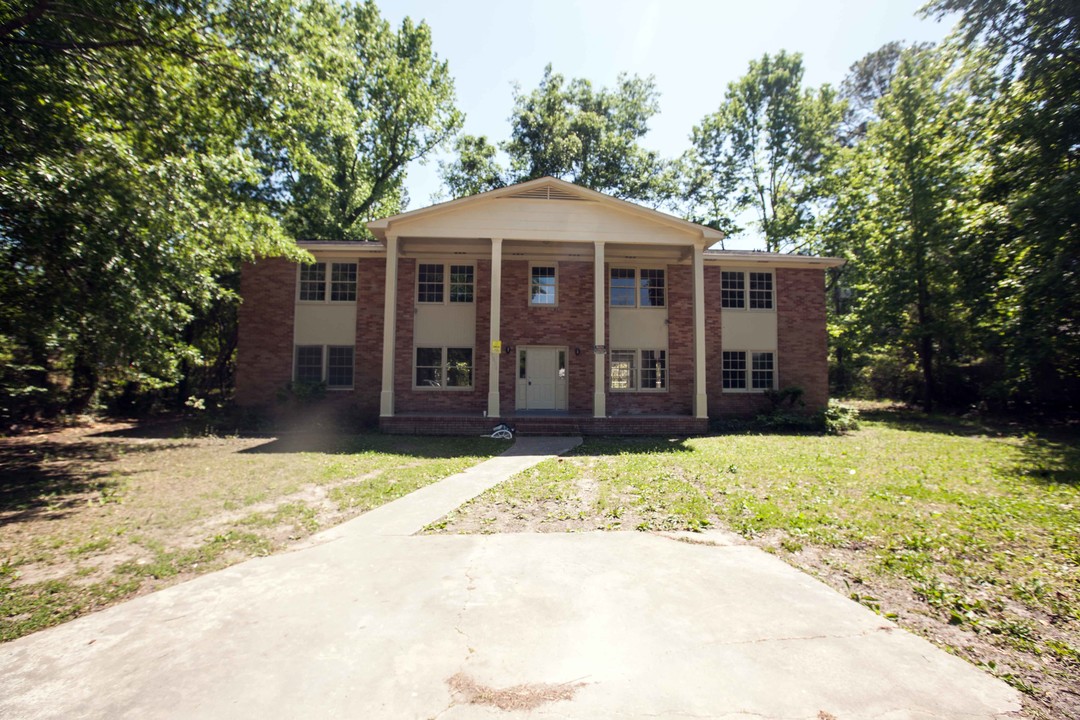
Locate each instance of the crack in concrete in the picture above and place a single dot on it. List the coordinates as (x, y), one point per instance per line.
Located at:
(864, 633)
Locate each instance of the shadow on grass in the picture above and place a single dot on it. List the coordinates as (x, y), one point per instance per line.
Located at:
(941, 424)
(337, 443)
(1051, 459)
(54, 478)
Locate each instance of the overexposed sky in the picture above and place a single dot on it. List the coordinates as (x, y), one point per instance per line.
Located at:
(692, 48)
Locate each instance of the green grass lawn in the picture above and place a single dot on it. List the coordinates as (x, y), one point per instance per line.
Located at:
(92, 516)
(965, 533)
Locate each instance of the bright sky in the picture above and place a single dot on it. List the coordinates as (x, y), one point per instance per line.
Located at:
(692, 48)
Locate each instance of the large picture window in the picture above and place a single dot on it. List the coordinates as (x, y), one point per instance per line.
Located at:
(744, 289)
(439, 282)
(339, 284)
(639, 370)
(443, 367)
(632, 287)
(744, 370)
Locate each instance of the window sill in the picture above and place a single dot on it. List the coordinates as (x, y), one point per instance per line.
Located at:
(646, 391)
(430, 388)
(748, 310)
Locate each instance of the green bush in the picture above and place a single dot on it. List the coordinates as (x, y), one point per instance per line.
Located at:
(839, 418)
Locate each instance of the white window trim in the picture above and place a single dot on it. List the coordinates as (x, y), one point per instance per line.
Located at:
(528, 284)
(746, 292)
(637, 286)
(324, 373)
(749, 389)
(445, 349)
(328, 282)
(446, 281)
(638, 369)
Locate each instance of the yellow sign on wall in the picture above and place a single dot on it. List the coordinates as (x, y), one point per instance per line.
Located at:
(496, 346)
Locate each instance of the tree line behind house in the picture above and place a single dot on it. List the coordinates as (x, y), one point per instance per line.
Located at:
(148, 148)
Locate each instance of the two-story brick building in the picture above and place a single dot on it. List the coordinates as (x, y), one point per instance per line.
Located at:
(487, 308)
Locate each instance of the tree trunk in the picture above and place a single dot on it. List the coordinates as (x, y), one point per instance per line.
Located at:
(84, 383)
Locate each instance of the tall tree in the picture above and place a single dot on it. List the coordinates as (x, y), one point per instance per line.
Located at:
(373, 100)
(576, 132)
(1030, 215)
(908, 201)
(766, 150)
(146, 148)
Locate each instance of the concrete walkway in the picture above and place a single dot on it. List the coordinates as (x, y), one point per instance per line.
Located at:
(369, 622)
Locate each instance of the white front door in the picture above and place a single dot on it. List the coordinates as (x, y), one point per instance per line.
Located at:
(541, 374)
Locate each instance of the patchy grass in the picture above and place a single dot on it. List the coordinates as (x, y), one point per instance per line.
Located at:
(91, 516)
(967, 534)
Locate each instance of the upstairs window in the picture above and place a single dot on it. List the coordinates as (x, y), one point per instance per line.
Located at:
(631, 287)
(741, 289)
(339, 284)
(429, 286)
(438, 282)
(543, 285)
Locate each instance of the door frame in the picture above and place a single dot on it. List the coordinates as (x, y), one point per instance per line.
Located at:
(562, 384)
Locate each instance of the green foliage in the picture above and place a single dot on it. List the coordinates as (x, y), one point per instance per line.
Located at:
(767, 149)
(146, 149)
(572, 131)
(839, 418)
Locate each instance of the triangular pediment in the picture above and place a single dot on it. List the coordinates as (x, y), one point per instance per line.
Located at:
(546, 209)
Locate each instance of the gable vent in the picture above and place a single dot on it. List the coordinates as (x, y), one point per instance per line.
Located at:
(546, 193)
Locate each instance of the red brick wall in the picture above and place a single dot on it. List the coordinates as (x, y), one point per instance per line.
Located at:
(370, 302)
(801, 342)
(802, 350)
(570, 323)
(679, 398)
(265, 335)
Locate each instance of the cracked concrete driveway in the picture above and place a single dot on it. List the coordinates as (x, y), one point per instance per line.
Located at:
(369, 623)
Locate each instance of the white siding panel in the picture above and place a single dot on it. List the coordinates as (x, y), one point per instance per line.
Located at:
(510, 219)
(450, 325)
(638, 328)
(748, 330)
(327, 324)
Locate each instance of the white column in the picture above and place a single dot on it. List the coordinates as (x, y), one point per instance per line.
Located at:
(496, 311)
(599, 358)
(386, 397)
(701, 399)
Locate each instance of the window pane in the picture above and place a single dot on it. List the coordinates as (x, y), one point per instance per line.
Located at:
(343, 282)
(313, 282)
(309, 363)
(622, 287)
(761, 371)
(652, 288)
(339, 367)
(429, 287)
(562, 363)
(459, 367)
(429, 367)
(461, 283)
(761, 291)
(734, 371)
(521, 364)
(542, 286)
(653, 369)
(622, 370)
(732, 289)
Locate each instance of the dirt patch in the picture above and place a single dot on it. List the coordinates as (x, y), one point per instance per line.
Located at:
(527, 696)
